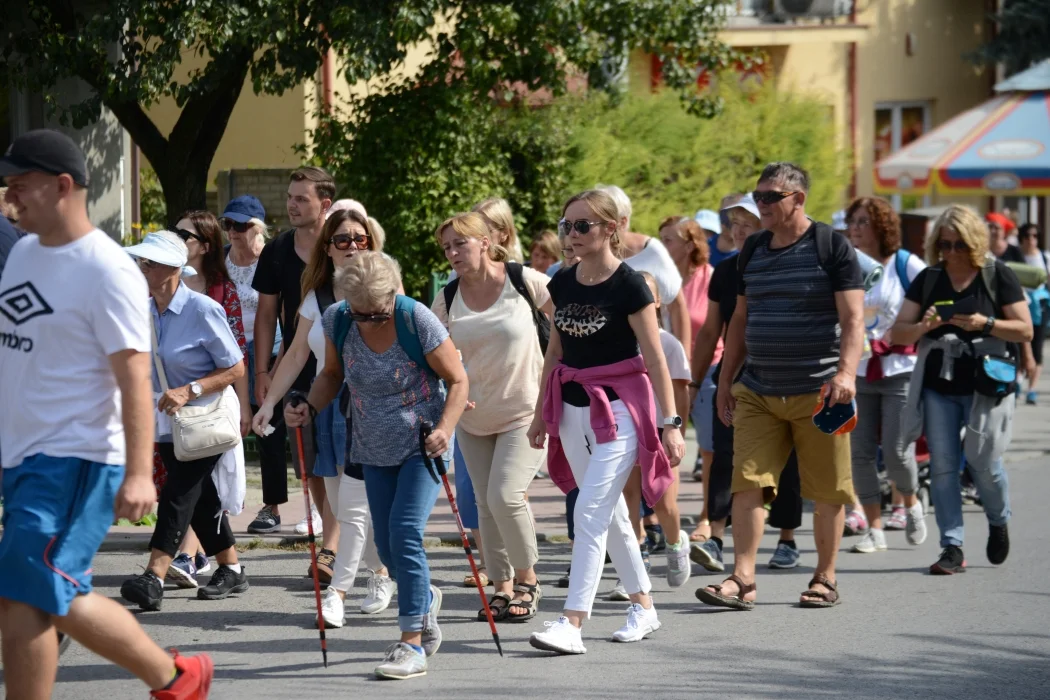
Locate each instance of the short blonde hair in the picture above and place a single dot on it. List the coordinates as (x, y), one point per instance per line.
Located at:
(604, 206)
(474, 225)
(971, 229)
(549, 243)
(500, 219)
(369, 281)
(377, 232)
(623, 202)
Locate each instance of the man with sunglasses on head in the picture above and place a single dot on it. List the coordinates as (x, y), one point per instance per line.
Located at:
(278, 280)
(76, 423)
(797, 333)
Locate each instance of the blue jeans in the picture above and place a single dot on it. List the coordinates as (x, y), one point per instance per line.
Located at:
(466, 501)
(945, 417)
(400, 499)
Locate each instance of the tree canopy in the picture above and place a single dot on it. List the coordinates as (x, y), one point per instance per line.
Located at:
(1022, 36)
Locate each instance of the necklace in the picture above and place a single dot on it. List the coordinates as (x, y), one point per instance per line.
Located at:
(593, 278)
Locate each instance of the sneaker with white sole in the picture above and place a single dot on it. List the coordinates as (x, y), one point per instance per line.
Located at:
(618, 593)
(872, 541)
(380, 591)
(431, 641)
(333, 611)
(708, 555)
(640, 624)
(560, 636)
(679, 568)
(401, 662)
(202, 563)
(898, 520)
(266, 521)
(182, 571)
(301, 528)
(915, 530)
(784, 557)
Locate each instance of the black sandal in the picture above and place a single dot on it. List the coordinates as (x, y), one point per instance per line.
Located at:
(534, 592)
(499, 612)
(736, 602)
(821, 599)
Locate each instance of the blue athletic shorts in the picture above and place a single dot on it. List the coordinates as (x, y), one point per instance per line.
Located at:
(57, 511)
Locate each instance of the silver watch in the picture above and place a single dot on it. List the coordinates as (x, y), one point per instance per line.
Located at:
(196, 389)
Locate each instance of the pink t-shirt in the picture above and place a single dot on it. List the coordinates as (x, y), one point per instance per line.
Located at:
(694, 290)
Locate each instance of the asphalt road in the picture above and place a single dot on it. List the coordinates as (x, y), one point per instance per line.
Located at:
(899, 633)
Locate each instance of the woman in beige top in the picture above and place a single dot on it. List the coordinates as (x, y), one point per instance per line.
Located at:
(493, 327)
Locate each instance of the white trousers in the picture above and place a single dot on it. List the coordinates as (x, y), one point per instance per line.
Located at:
(601, 471)
(347, 499)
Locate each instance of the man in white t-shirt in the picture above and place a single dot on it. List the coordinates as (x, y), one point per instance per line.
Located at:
(76, 406)
(648, 254)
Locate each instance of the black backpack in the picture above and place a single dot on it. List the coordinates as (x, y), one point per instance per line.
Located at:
(824, 235)
(514, 271)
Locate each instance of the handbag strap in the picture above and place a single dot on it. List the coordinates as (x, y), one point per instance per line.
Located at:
(156, 357)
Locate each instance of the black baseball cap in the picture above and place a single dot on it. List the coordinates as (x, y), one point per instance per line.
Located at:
(46, 151)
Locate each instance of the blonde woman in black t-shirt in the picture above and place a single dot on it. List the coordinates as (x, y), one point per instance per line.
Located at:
(605, 351)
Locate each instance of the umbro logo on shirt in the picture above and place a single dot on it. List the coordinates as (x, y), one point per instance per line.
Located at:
(23, 303)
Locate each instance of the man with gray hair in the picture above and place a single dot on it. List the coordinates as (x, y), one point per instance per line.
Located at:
(797, 335)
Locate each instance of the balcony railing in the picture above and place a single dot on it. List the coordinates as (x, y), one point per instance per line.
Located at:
(773, 11)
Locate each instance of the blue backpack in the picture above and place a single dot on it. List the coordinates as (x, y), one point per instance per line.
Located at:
(407, 338)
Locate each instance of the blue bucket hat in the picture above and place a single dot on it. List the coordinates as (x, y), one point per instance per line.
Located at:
(243, 209)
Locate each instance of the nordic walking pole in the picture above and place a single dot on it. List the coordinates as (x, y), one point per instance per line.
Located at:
(295, 398)
(424, 432)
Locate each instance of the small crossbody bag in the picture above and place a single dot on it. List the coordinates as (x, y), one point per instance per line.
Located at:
(201, 431)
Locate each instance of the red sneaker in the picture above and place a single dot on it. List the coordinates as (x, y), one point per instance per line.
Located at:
(194, 681)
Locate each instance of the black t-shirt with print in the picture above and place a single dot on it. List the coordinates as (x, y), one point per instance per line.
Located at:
(280, 272)
(722, 291)
(1009, 292)
(592, 322)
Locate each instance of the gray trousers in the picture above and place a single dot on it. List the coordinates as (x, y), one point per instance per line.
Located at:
(879, 408)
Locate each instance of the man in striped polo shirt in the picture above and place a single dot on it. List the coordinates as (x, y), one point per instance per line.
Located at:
(798, 330)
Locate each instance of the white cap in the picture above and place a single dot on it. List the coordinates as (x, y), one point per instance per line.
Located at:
(340, 204)
(709, 220)
(163, 247)
(747, 203)
(838, 220)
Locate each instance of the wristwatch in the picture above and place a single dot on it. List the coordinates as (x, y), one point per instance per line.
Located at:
(673, 421)
(196, 389)
(989, 325)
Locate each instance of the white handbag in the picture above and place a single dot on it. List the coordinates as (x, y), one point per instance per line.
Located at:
(201, 431)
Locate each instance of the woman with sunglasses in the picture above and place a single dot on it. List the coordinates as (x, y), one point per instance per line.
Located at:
(201, 233)
(493, 327)
(1028, 238)
(966, 311)
(343, 505)
(391, 396)
(597, 404)
(195, 346)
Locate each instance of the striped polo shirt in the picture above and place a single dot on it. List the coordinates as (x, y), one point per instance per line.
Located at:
(793, 330)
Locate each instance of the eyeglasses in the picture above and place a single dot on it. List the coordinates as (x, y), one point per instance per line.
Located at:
(580, 226)
(958, 246)
(238, 226)
(343, 241)
(187, 235)
(371, 318)
(771, 196)
(857, 223)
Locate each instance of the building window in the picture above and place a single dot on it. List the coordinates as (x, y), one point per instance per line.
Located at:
(897, 125)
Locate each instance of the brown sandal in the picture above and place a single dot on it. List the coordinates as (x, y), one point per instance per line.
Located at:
(499, 612)
(737, 602)
(820, 599)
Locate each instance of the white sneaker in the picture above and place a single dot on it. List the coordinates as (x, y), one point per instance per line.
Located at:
(332, 610)
(560, 636)
(640, 624)
(380, 590)
(618, 593)
(679, 569)
(915, 529)
(872, 541)
(302, 528)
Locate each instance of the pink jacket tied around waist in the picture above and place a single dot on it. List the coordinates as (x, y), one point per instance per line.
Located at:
(630, 382)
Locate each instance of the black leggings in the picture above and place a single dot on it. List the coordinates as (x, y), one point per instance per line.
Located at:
(786, 510)
(189, 498)
(272, 463)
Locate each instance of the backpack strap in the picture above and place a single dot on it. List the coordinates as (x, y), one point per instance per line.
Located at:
(990, 278)
(932, 273)
(752, 242)
(407, 333)
(342, 325)
(325, 296)
(517, 280)
(901, 262)
(824, 236)
(449, 291)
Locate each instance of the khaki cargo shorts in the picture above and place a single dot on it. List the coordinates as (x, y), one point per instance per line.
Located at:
(767, 428)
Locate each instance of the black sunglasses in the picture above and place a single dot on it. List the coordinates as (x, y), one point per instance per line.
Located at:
(343, 241)
(581, 226)
(238, 226)
(187, 235)
(771, 196)
(371, 318)
(959, 246)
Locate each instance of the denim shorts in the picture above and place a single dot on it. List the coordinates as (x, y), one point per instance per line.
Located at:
(57, 511)
(330, 435)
